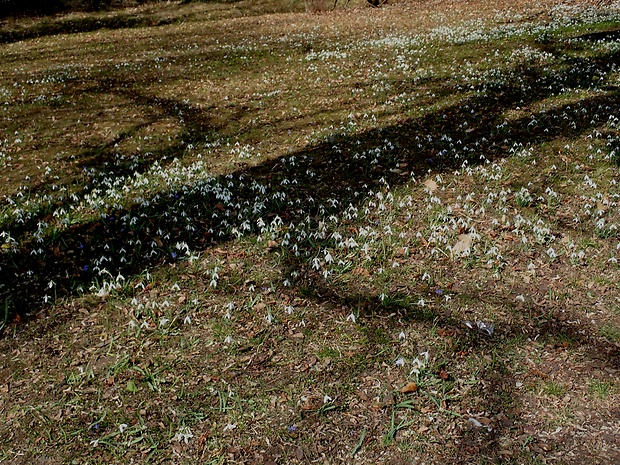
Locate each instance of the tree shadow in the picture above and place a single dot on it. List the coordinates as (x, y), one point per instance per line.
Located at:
(50, 26)
(197, 126)
(327, 178)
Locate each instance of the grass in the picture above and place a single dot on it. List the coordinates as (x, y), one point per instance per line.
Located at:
(234, 232)
(600, 389)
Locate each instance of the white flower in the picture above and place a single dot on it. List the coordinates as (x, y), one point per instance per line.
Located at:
(184, 434)
(122, 427)
(351, 318)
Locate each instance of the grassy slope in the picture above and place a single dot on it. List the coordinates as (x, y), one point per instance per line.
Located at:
(236, 239)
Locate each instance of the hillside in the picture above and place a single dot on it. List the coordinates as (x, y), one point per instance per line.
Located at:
(276, 232)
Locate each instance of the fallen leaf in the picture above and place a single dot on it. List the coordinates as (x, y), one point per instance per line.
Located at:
(462, 246)
(431, 185)
(443, 374)
(361, 271)
(409, 387)
(446, 332)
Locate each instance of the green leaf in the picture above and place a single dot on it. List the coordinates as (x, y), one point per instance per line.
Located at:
(131, 386)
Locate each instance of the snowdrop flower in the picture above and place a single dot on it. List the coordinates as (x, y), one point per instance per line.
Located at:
(327, 399)
(122, 427)
(401, 335)
(400, 362)
(184, 434)
(417, 366)
(351, 318)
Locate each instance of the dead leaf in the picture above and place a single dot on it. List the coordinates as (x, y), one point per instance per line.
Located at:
(446, 332)
(443, 374)
(431, 185)
(462, 246)
(361, 271)
(536, 372)
(409, 387)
